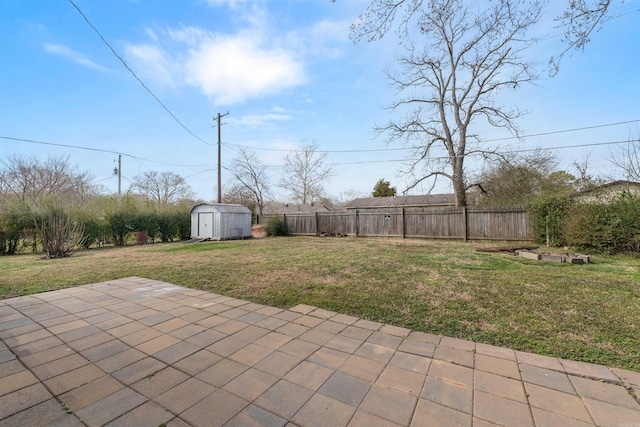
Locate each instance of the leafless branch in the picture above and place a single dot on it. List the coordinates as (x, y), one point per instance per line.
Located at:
(163, 188)
(448, 85)
(305, 173)
(251, 175)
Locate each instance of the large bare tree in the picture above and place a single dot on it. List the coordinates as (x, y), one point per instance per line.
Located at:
(163, 188)
(457, 57)
(250, 178)
(306, 173)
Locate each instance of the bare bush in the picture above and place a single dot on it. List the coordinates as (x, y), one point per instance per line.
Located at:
(59, 233)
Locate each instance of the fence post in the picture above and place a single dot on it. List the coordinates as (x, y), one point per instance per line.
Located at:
(402, 221)
(357, 223)
(316, 217)
(546, 229)
(464, 223)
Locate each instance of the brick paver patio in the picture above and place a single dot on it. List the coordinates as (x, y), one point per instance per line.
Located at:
(138, 352)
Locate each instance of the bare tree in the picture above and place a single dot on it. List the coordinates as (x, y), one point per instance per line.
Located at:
(628, 160)
(163, 188)
(250, 178)
(348, 195)
(237, 194)
(447, 84)
(31, 180)
(580, 20)
(306, 173)
(584, 179)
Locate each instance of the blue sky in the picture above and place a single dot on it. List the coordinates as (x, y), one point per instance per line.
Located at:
(286, 72)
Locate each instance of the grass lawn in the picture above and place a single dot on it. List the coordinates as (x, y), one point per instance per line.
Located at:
(581, 312)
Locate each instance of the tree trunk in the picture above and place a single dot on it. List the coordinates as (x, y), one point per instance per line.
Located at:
(459, 186)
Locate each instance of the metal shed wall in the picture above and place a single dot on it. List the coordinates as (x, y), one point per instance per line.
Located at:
(220, 222)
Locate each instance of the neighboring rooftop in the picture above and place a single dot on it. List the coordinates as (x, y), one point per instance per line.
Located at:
(402, 201)
(622, 184)
(608, 191)
(287, 209)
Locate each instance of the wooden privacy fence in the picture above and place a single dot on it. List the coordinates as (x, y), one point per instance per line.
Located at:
(469, 223)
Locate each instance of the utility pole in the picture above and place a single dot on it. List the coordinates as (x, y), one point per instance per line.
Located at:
(118, 171)
(218, 119)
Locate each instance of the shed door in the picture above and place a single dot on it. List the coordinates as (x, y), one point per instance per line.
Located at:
(205, 225)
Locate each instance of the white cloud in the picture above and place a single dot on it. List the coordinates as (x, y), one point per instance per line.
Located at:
(232, 69)
(331, 30)
(253, 62)
(76, 57)
(258, 120)
(191, 36)
(231, 3)
(228, 68)
(157, 64)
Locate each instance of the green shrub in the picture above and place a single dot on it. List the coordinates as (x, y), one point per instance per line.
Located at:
(605, 228)
(183, 223)
(15, 220)
(275, 227)
(120, 225)
(168, 227)
(549, 214)
(148, 222)
(95, 229)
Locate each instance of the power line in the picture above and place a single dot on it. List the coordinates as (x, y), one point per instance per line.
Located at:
(562, 147)
(567, 130)
(79, 147)
(373, 150)
(135, 76)
(272, 167)
(529, 150)
(60, 145)
(199, 173)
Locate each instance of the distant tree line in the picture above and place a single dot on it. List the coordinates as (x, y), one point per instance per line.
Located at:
(50, 206)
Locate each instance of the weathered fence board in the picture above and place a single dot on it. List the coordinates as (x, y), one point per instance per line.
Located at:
(300, 224)
(337, 222)
(508, 223)
(470, 223)
(379, 222)
(434, 223)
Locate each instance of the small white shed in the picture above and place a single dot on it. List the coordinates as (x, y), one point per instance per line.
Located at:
(217, 221)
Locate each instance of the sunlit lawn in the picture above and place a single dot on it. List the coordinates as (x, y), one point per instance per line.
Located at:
(588, 312)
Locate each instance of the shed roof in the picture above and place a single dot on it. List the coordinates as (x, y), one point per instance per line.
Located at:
(402, 201)
(222, 208)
